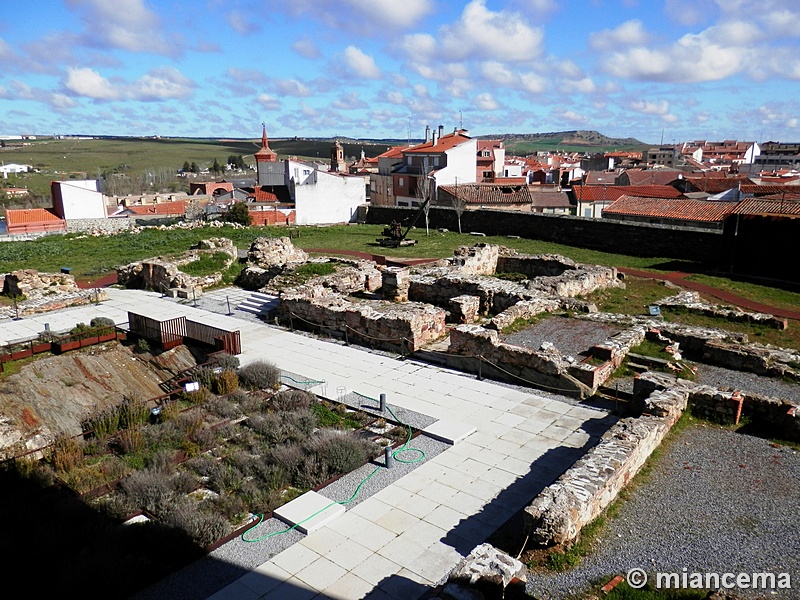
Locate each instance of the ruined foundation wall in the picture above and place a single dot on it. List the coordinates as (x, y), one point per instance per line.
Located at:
(377, 323)
(557, 515)
(475, 348)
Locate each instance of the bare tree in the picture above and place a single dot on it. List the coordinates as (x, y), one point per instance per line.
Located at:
(425, 190)
(459, 205)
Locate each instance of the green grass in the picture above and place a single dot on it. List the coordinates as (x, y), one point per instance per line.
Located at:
(758, 293)
(625, 592)
(207, 264)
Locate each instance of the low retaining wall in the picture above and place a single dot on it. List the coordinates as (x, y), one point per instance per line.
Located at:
(476, 349)
(383, 324)
(557, 515)
(691, 302)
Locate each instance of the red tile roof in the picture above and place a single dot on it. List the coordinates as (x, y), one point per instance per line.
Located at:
(678, 209)
(263, 196)
(446, 142)
(178, 207)
(764, 207)
(29, 216)
(489, 193)
(593, 193)
(715, 185)
(652, 177)
(763, 190)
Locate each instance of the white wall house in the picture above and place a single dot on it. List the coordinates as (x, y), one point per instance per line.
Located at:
(78, 199)
(321, 197)
(5, 170)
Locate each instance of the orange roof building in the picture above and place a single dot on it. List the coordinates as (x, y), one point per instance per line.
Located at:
(33, 220)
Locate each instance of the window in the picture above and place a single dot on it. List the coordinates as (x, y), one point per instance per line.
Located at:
(400, 181)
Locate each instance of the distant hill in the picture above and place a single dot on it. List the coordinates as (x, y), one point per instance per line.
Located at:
(562, 140)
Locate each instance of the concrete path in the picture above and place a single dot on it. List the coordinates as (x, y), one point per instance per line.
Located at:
(407, 537)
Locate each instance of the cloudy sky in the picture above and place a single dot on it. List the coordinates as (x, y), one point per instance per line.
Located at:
(378, 68)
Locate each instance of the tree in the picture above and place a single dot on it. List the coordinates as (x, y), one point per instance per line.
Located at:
(239, 213)
(425, 185)
(216, 167)
(194, 168)
(459, 205)
(186, 166)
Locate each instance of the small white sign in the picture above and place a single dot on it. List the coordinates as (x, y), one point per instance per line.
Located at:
(192, 386)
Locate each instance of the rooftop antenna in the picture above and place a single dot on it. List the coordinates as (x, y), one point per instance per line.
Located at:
(460, 120)
(409, 130)
(662, 137)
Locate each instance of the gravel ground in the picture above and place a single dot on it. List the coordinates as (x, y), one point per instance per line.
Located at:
(716, 501)
(237, 557)
(748, 382)
(570, 336)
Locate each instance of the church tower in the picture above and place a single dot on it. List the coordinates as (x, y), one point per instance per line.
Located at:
(337, 158)
(270, 171)
(265, 154)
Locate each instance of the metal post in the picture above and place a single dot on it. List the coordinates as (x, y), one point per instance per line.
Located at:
(383, 404)
(194, 297)
(228, 299)
(346, 337)
(480, 368)
(388, 458)
(291, 321)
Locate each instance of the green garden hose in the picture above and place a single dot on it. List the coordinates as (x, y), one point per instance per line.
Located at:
(404, 448)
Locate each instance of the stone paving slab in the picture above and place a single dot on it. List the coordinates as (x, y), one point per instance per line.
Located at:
(445, 506)
(451, 432)
(309, 512)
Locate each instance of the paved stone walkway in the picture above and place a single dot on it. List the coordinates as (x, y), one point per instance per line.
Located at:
(407, 537)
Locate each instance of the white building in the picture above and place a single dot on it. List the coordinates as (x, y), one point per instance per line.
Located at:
(78, 199)
(5, 170)
(322, 197)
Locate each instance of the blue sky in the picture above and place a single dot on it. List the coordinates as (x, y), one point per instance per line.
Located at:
(694, 69)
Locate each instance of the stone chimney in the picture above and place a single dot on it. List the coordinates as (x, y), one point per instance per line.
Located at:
(441, 131)
(427, 133)
(434, 138)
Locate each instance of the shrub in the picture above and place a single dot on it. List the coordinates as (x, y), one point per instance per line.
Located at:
(133, 412)
(147, 489)
(288, 457)
(162, 461)
(204, 376)
(66, 453)
(225, 382)
(102, 325)
(195, 397)
(232, 507)
(224, 360)
(279, 428)
(131, 440)
(342, 452)
(103, 423)
(312, 472)
(260, 375)
(142, 346)
(190, 422)
(202, 527)
(292, 400)
(224, 408)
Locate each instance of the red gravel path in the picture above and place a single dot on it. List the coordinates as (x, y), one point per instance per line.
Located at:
(679, 278)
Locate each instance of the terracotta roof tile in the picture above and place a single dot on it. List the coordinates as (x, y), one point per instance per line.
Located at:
(764, 207)
(446, 142)
(28, 216)
(678, 209)
(592, 193)
(763, 190)
(178, 207)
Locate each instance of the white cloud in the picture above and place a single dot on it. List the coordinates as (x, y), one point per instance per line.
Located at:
(162, 83)
(390, 12)
(241, 24)
(533, 83)
(629, 33)
(370, 17)
(292, 87)
(689, 12)
(349, 101)
(362, 65)
(306, 48)
(394, 97)
(269, 102)
(89, 83)
(123, 24)
(497, 73)
(480, 33)
(570, 117)
(646, 107)
(585, 85)
(485, 101)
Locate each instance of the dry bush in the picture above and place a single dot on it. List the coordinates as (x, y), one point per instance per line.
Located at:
(202, 465)
(162, 461)
(273, 477)
(292, 400)
(169, 411)
(281, 428)
(225, 361)
(224, 408)
(225, 382)
(312, 472)
(104, 423)
(260, 375)
(196, 397)
(202, 527)
(190, 422)
(131, 440)
(133, 412)
(287, 457)
(342, 452)
(228, 505)
(150, 490)
(66, 453)
(204, 437)
(204, 376)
